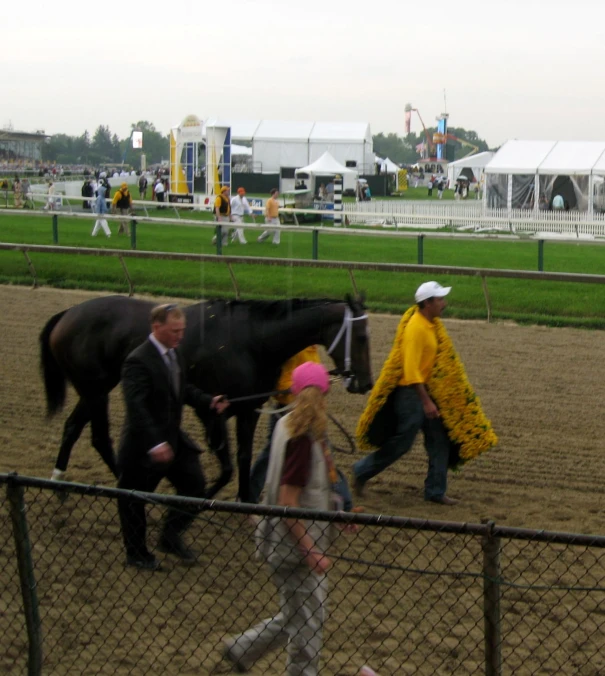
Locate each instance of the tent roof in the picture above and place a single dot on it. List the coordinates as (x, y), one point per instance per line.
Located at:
(478, 160)
(572, 157)
(241, 130)
(275, 130)
(388, 166)
(340, 131)
(519, 157)
(327, 165)
(549, 158)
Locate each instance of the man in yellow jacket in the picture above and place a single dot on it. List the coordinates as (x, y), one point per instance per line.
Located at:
(122, 200)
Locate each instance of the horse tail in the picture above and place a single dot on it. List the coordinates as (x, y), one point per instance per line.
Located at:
(54, 378)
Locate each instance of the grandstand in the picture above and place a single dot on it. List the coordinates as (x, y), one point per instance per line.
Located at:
(21, 147)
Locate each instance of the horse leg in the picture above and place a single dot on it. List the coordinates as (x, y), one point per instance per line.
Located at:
(72, 430)
(99, 423)
(246, 425)
(218, 440)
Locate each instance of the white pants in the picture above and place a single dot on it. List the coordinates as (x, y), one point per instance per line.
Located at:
(299, 624)
(276, 233)
(101, 224)
(238, 233)
(225, 231)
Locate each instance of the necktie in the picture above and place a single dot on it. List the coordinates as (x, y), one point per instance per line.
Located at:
(174, 370)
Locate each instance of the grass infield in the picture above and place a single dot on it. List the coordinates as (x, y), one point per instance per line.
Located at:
(553, 303)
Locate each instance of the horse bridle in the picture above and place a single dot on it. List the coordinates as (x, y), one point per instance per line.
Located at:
(345, 330)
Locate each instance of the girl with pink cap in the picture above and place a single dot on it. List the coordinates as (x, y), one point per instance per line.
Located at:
(301, 474)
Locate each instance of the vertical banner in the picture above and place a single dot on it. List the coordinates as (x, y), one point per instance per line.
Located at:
(337, 200)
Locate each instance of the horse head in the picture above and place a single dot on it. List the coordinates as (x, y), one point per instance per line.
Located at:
(350, 347)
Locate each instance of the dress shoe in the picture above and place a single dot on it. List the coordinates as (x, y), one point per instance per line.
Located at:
(175, 546)
(148, 562)
(444, 500)
(358, 486)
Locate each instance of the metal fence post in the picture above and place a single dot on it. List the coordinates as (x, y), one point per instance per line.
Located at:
(315, 253)
(133, 234)
(55, 229)
(26, 576)
(219, 240)
(420, 249)
(491, 602)
(541, 255)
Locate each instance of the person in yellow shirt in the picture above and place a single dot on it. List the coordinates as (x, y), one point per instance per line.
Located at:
(272, 217)
(413, 407)
(122, 200)
(259, 469)
(222, 213)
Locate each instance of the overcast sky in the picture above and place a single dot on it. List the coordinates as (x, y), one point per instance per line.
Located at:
(510, 68)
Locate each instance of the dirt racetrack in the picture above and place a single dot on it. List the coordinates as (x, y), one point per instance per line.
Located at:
(541, 387)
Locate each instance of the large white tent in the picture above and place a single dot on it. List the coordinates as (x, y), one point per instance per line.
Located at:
(472, 167)
(278, 145)
(529, 174)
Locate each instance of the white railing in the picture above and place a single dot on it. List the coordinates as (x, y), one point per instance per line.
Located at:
(473, 216)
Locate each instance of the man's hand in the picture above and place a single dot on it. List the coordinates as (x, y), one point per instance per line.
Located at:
(219, 403)
(162, 454)
(430, 410)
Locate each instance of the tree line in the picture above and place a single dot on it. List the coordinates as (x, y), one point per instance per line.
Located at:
(403, 149)
(105, 148)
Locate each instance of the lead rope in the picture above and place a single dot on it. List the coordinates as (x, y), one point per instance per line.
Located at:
(347, 330)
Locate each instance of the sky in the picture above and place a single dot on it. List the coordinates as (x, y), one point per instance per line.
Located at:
(527, 69)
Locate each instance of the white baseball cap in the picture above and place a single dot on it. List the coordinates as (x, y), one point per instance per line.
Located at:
(431, 290)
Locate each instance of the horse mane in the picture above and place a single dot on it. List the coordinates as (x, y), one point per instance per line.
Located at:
(273, 309)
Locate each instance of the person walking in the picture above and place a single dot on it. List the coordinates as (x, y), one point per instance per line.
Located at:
(272, 217)
(222, 213)
(239, 207)
(100, 205)
(422, 386)
(301, 474)
(159, 191)
(143, 186)
(122, 200)
(152, 445)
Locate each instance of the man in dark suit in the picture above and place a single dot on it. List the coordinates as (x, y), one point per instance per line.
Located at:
(153, 446)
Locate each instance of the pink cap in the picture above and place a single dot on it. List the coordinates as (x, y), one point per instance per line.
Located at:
(310, 374)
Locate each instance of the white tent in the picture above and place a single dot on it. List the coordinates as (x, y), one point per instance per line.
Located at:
(278, 144)
(529, 174)
(326, 165)
(472, 167)
(387, 166)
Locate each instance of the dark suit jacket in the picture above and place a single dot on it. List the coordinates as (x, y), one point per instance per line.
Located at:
(153, 408)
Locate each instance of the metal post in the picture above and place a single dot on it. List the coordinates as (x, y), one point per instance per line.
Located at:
(540, 255)
(491, 602)
(315, 254)
(55, 229)
(337, 201)
(133, 234)
(219, 240)
(420, 249)
(26, 576)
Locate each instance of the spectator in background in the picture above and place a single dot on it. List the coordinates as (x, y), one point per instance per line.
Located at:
(101, 210)
(222, 213)
(440, 188)
(27, 194)
(122, 200)
(50, 197)
(239, 207)
(430, 185)
(17, 193)
(159, 190)
(272, 217)
(143, 187)
(87, 191)
(330, 191)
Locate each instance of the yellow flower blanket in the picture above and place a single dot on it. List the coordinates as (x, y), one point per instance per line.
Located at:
(468, 428)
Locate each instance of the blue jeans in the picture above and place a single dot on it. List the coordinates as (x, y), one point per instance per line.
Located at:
(258, 473)
(410, 420)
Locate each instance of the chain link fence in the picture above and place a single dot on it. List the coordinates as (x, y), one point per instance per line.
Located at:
(405, 596)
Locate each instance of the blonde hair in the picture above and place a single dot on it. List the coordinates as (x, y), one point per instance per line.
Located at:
(309, 415)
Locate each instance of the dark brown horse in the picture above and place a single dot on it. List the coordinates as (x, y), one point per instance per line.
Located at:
(234, 348)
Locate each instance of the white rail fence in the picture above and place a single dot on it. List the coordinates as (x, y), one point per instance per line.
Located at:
(473, 216)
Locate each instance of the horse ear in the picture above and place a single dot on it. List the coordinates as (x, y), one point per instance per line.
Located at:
(362, 298)
(349, 301)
